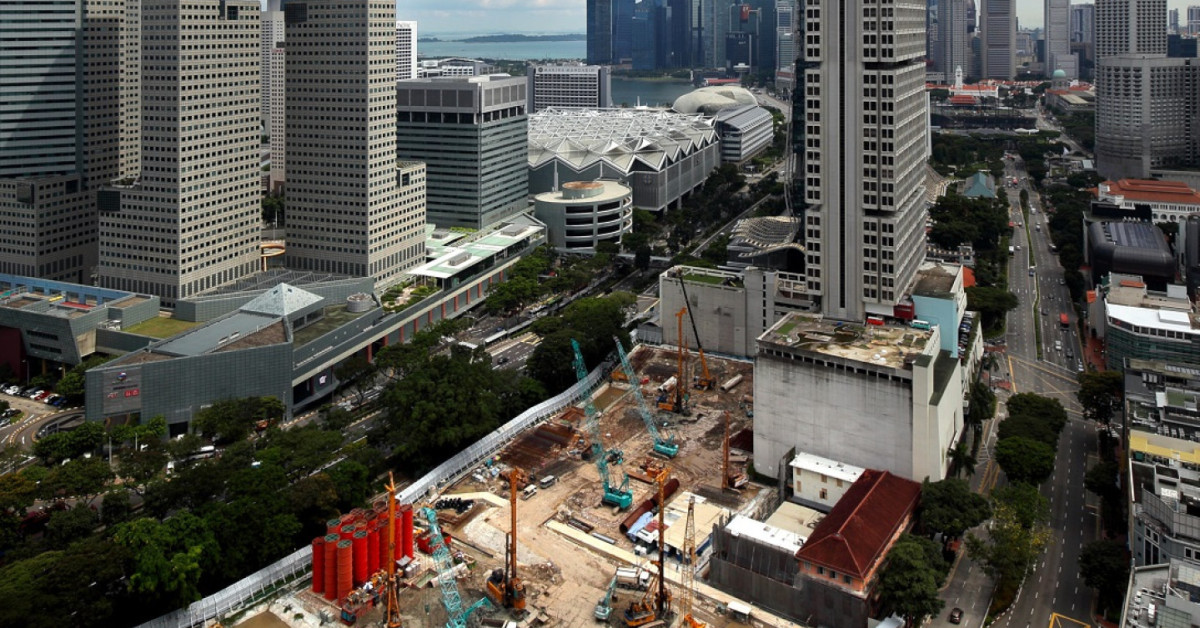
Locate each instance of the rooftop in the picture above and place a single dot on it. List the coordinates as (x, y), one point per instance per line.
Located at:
(573, 193)
(1151, 318)
(883, 345)
(1138, 235)
(765, 533)
(979, 185)
(795, 518)
(622, 138)
(214, 335)
(706, 515)
(936, 280)
(831, 468)
(859, 529)
(1149, 191)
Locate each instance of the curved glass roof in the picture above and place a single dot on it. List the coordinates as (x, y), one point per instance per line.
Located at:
(622, 138)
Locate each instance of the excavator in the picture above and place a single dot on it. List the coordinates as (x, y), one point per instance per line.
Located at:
(504, 587)
(705, 380)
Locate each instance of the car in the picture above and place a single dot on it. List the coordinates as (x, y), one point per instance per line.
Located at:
(52, 399)
(35, 393)
(44, 395)
(11, 412)
(62, 401)
(12, 390)
(1079, 366)
(956, 615)
(502, 361)
(1030, 272)
(1062, 282)
(1045, 312)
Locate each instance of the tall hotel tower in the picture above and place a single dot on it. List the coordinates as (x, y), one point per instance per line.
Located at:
(346, 213)
(860, 96)
(192, 222)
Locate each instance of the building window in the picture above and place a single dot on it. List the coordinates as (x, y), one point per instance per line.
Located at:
(824, 494)
(820, 570)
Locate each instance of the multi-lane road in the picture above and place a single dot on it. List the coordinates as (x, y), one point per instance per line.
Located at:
(1053, 594)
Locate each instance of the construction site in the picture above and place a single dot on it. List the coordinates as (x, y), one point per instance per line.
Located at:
(582, 491)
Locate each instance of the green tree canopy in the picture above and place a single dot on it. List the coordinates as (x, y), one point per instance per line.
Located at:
(168, 557)
(593, 321)
(1104, 566)
(232, 420)
(1025, 460)
(1100, 394)
(991, 302)
(950, 507)
(908, 583)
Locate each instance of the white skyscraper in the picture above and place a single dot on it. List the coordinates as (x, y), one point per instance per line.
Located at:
(192, 222)
(785, 43)
(997, 38)
(406, 50)
(272, 36)
(865, 127)
(346, 213)
(1056, 33)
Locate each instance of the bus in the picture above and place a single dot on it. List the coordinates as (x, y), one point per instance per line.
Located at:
(1064, 321)
(1011, 251)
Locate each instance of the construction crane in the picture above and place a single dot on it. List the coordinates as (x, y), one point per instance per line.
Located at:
(604, 606)
(676, 402)
(445, 567)
(705, 380)
(504, 587)
(729, 479)
(615, 494)
(665, 446)
(689, 569)
(655, 604)
(391, 616)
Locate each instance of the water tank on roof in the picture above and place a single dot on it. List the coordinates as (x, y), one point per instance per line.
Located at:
(358, 302)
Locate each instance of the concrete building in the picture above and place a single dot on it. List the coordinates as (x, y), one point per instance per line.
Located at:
(272, 36)
(46, 326)
(472, 134)
(454, 66)
(946, 31)
(1193, 19)
(1170, 588)
(599, 31)
(269, 336)
(191, 222)
(863, 146)
(1135, 248)
(406, 50)
(663, 156)
(345, 212)
(583, 214)
(1168, 201)
(785, 42)
(1143, 114)
(1056, 33)
(1083, 23)
(581, 86)
(744, 132)
(1137, 323)
(998, 39)
(1165, 505)
(869, 395)
(820, 482)
(70, 120)
(1161, 398)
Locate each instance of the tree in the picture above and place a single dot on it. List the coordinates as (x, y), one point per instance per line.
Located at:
(83, 478)
(991, 302)
(593, 321)
(983, 402)
(1100, 393)
(232, 420)
(1028, 426)
(115, 507)
(299, 452)
(1045, 408)
(1028, 506)
(1104, 566)
(352, 481)
(950, 507)
(908, 584)
(1025, 460)
(358, 374)
(961, 459)
(168, 557)
(142, 465)
(1010, 549)
(69, 525)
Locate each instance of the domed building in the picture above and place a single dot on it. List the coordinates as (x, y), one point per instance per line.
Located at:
(710, 100)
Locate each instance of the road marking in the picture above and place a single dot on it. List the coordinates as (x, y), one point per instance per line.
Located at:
(1062, 621)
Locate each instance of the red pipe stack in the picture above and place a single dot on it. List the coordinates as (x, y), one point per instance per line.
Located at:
(360, 557)
(345, 568)
(373, 561)
(331, 542)
(406, 531)
(318, 565)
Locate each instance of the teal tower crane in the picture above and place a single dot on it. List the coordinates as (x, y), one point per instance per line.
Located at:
(445, 567)
(615, 494)
(665, 446)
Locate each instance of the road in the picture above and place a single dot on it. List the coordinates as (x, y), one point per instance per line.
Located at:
(1053, 594)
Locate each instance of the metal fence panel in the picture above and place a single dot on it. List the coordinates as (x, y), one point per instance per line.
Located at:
(255, 587)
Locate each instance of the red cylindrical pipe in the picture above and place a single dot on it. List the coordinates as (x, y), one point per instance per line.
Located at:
(373, 561)
(345, 568)
(360, 557)
(332, 526)
(331, 543)
(318, 565)
(383, 545)
(347, 531)
(406, 531)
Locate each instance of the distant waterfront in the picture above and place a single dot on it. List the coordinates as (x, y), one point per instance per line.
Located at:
(629, 91)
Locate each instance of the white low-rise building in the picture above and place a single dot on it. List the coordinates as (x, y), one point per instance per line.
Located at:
(821, 481)
(1169, 201)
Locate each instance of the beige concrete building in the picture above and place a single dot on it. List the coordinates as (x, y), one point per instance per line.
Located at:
(278, 128)
(582, 214)
(345, 214)
(191, 223)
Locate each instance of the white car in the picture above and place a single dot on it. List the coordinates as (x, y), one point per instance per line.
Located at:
(12, 390)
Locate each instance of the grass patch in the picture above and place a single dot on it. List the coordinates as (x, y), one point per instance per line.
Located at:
(786, 328)
(335, 316)
(709, 279)
(161, 327)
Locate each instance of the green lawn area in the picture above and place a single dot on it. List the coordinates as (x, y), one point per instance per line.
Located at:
(698, 278)
(160, 327)
(785, 328)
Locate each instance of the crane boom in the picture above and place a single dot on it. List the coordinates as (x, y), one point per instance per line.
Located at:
(665, 446)
(451, 598)
(689, 568)
(705, 381)
(614, 494)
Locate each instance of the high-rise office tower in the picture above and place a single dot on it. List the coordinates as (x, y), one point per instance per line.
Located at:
(997, 38)
(131, 88)
(66, 113)
(272, 36)
(1193, 20)
(406, 50)
(1144, 99)
(971, 16)
(947, 37)
(1173, 20)
(599, 31)
(192, 221)
(473, 134)
(346, 214)
(622, 31)
(581, 86)
(1083, 23)
(861, 110)
(682, 44)
(1056, 33)
(786, 49)
(278, 128)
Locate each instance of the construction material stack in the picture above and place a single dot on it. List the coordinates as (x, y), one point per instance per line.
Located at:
(615, 494)
(662, 445)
